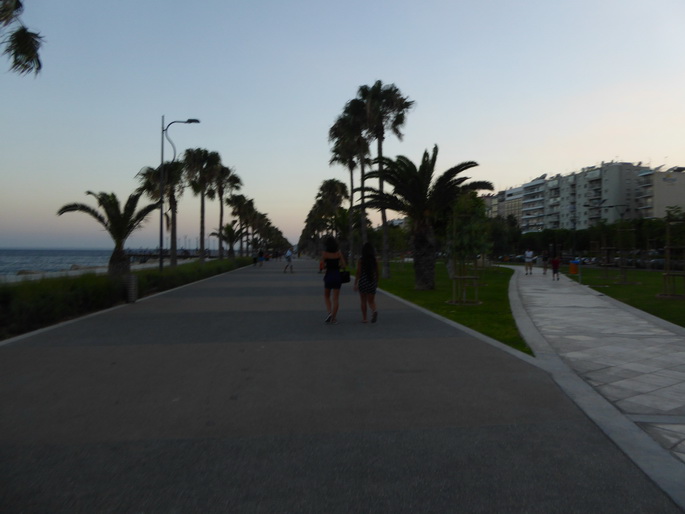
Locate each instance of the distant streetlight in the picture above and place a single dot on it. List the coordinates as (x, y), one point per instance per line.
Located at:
(161, 185)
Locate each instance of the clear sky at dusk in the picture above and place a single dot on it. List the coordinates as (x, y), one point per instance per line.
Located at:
(521, 87)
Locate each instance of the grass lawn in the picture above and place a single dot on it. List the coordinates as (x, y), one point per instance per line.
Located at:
(641, 291)
(491, 317)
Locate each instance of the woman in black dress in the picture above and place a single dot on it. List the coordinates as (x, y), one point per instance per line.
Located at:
(332, 260)
(366, 281)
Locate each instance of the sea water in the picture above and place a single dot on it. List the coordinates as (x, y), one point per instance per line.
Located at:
(16, 261)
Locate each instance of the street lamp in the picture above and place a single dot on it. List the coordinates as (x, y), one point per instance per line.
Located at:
(161, 185)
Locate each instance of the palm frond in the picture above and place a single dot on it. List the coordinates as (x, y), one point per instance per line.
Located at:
(81, 207)
(22, 46)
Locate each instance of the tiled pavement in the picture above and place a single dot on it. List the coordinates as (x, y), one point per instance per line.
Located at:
(634, 360)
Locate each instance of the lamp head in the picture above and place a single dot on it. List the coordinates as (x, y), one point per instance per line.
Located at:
(192, 120)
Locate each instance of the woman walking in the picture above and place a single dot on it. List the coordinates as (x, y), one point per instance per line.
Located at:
(366, 281)
(332, 260)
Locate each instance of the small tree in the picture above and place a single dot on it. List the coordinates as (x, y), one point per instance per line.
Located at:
(117, 222)
(469, 237)
(229, 234)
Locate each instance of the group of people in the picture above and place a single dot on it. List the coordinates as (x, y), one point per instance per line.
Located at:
(365, 280)
(529, 257)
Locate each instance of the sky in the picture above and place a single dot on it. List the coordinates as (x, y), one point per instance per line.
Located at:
(523, 87)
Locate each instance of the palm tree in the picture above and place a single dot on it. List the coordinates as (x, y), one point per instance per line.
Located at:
(243, 208)
(351, 148)
(425, 201)
(331, 195)
(229, 234)
(21, 45)
(118, 223)
(386, 109)
(238, 205)
(225, 182)
(174, 186)
(200, 166)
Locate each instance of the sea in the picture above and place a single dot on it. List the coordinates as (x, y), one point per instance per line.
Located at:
(22, 261)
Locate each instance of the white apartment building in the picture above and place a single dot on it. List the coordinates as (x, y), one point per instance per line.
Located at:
(511, 206)
(533, 205)
(609, 192)
(657, 190)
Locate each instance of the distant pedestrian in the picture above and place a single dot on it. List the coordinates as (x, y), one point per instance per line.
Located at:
(332, 260)
(260, 258)
(289, 260)
(528, 258)
(545, 262)
(366, 281)
(556, 262)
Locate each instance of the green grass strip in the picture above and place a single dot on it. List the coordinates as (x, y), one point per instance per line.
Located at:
(491, 317)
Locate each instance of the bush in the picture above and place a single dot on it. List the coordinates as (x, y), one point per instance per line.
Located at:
(30, 305)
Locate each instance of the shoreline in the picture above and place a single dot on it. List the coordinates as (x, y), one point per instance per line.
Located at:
(25, 275)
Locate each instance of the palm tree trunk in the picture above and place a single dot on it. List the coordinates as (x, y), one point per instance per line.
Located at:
(221, 225)
(173, 205)
(350, 221)
(362, 210)
(242, 229)
(424, 258)
(202, 226)
(119, 264)
(384, 219)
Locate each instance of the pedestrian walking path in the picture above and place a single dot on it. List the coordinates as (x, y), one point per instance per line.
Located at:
(635, 361)
(232, 395)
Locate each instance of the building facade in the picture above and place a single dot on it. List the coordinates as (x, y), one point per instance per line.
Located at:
(609, 192)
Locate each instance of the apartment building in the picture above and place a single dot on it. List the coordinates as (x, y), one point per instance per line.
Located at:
(609, 192)
(533, 205)
(657, 190)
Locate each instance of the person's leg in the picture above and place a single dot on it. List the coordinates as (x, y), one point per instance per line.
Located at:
(363, 299)
(327, 297)
(334, 310)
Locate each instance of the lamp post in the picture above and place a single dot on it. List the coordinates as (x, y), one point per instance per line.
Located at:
(161, 185)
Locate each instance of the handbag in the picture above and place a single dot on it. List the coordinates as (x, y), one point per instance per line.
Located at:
(344, 276)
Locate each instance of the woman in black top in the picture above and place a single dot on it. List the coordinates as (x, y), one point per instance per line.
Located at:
(366, 281)
(333, 260)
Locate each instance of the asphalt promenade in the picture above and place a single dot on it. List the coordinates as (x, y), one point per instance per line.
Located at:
(232, 395)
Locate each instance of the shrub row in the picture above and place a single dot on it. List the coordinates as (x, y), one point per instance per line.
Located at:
(30, 305)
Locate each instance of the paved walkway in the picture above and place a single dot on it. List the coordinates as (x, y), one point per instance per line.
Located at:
(632, 359)
(232, 395)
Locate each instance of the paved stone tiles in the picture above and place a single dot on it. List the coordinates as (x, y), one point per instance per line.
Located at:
(632, 359)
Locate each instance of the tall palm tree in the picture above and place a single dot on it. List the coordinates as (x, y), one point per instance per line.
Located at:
(238, 206)
(330, 198)
(21, 45)
(261, 228)
(386, 109)
(173, 190)
(425, 201)
(351, 148)
(117, 222)
(225, 182)
(200, 166)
